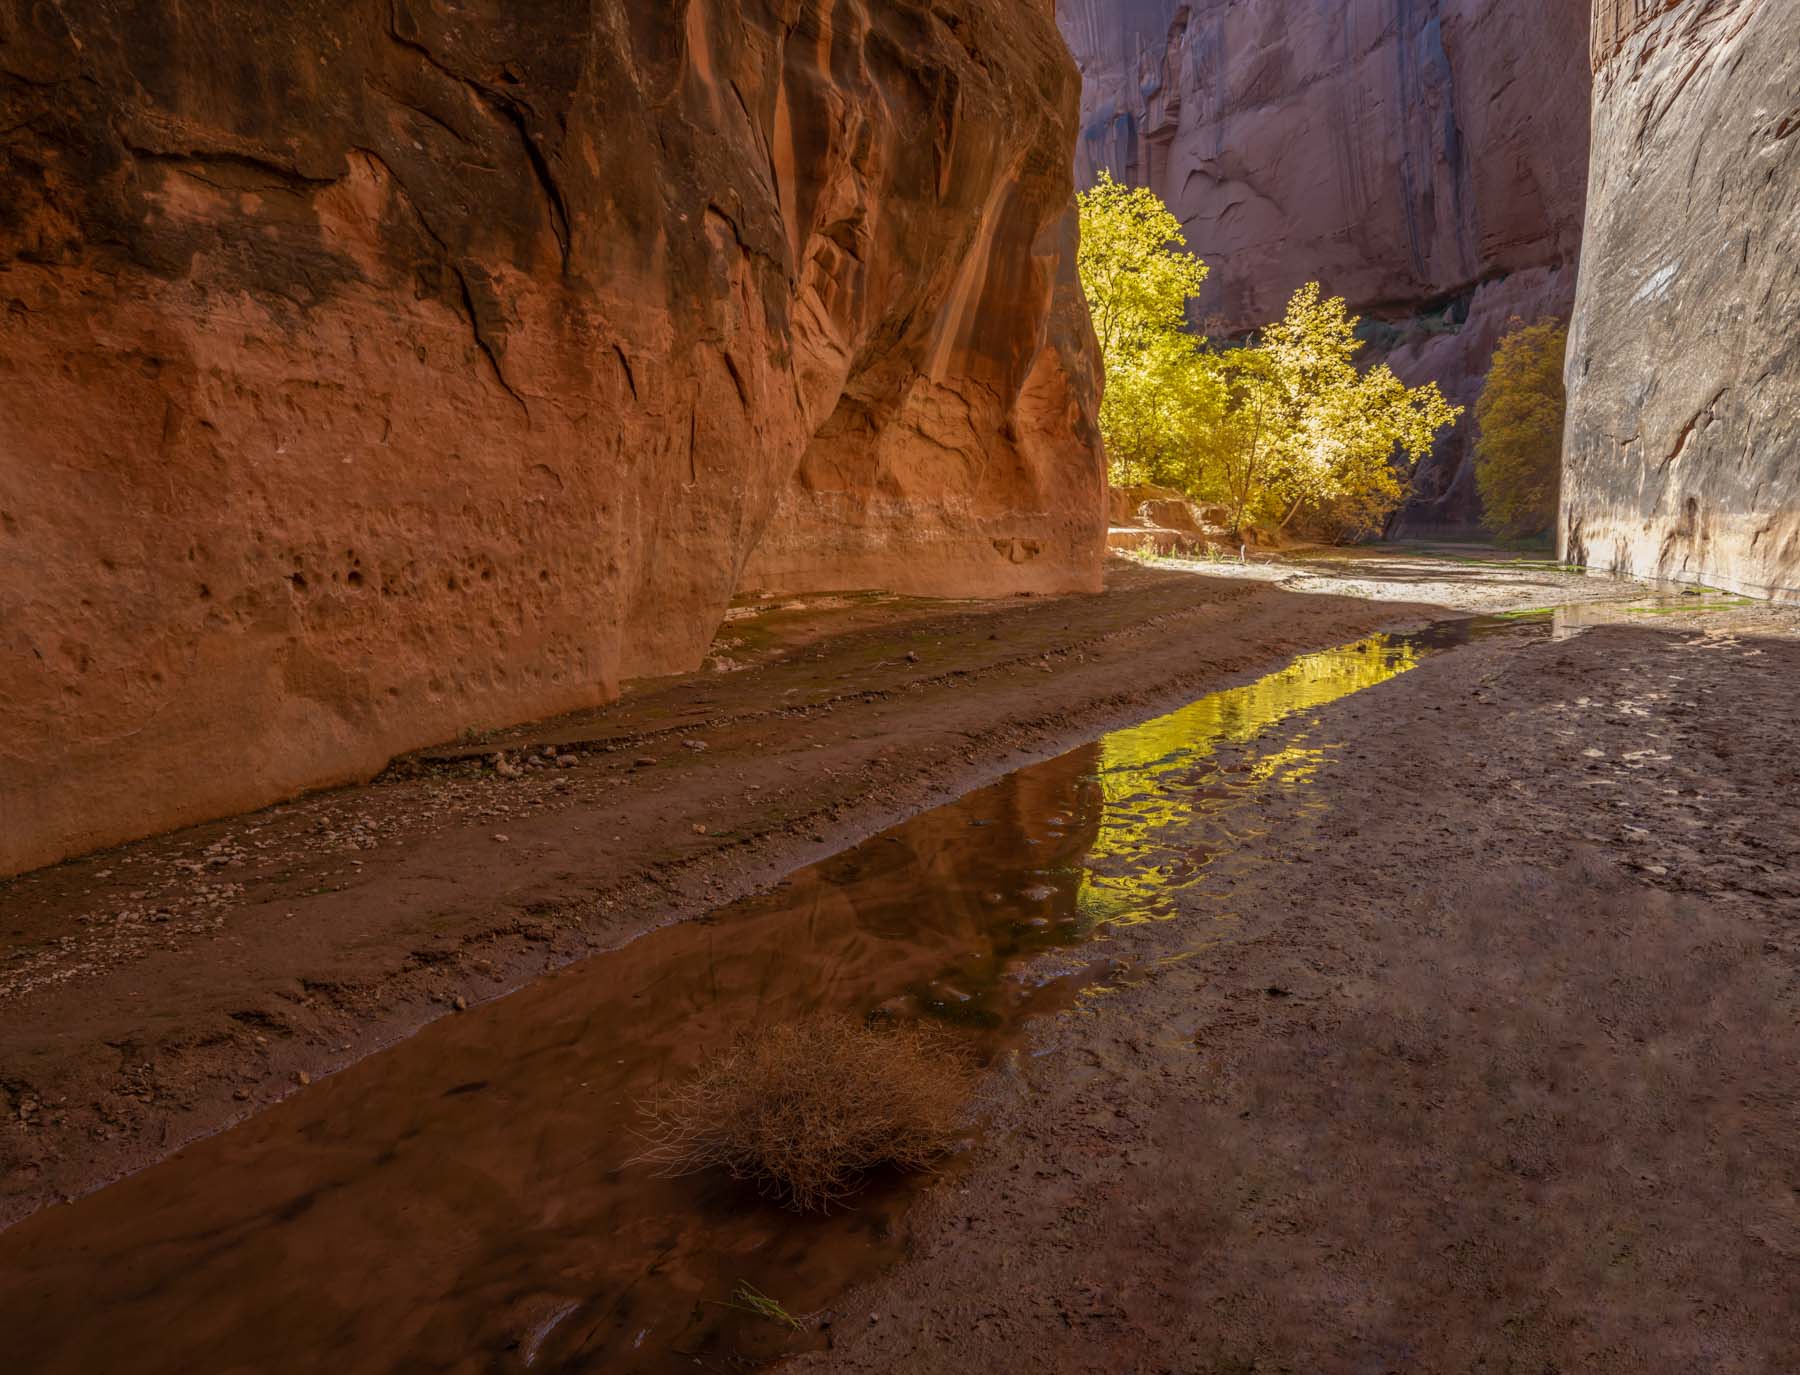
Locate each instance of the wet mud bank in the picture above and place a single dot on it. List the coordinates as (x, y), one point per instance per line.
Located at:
(156, 993)
(1242, 906)
(466, 1201)
(1482, 1051)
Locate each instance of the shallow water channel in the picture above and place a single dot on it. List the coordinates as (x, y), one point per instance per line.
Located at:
(460, 1202)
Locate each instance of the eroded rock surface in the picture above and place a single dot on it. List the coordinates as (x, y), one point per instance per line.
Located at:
(1427, 161)
(1683, 452)
(375, 371)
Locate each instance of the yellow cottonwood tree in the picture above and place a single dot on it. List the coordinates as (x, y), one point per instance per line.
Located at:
(1518, 447)
(1139, 277)
(1284, 427)
(1135, 268)
(1309, 433)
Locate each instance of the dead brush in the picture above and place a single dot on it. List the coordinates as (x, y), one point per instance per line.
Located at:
(805, 1109)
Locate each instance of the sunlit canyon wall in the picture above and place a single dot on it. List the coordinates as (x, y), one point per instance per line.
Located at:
(370, 372)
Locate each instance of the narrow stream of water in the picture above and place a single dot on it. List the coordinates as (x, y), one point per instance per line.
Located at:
(459, 1203)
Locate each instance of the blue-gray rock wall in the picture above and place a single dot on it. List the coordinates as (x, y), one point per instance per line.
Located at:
(1683, 444)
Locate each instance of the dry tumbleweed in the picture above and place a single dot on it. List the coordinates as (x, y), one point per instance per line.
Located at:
(804, 1109)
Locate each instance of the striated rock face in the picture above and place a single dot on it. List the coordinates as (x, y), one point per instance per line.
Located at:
(375, 370)
(1683, 446)
(1425, 159)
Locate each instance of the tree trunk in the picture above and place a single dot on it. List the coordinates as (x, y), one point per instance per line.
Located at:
(1241, 496)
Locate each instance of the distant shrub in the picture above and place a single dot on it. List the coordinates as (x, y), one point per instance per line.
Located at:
(805, 1109)
(1519, 419)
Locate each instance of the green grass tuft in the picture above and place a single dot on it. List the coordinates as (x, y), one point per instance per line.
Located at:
(747, 1298)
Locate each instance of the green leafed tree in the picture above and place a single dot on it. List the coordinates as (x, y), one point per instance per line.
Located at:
(1519, 421)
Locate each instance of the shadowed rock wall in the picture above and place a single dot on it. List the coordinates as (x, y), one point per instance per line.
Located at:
(1425, 159)
(1683, 445)
(370, 371)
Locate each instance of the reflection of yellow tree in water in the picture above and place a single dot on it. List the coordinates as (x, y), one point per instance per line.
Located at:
(1158, 779)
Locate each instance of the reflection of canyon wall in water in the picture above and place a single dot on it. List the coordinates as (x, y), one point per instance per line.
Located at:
(1426, 160)
(1683, 455)
(443, 1203)
(378, 370)
(507, 1127)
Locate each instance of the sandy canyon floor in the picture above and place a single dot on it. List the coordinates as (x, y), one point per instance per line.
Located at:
(1473, 1045)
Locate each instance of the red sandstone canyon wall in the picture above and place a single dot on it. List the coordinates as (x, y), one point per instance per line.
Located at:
(376, 370)
(1425, 159)
(1682, 453)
